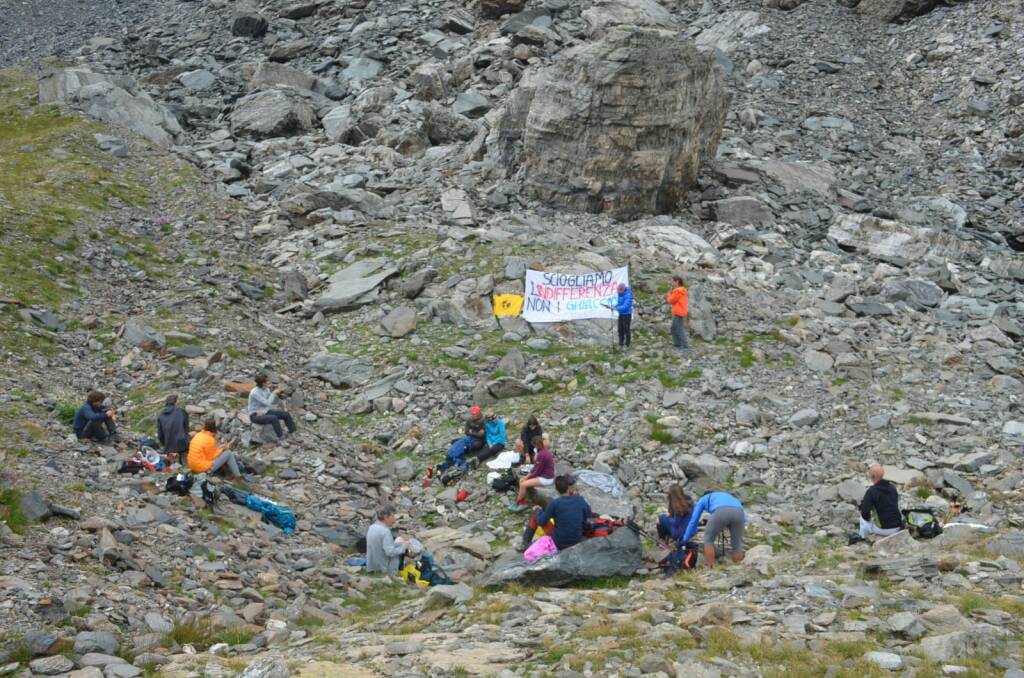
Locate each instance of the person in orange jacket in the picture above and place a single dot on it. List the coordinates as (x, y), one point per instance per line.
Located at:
(204, 456)
(679, 299)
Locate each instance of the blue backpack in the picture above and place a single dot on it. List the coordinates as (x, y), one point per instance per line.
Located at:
(272, 513)
(431, 572)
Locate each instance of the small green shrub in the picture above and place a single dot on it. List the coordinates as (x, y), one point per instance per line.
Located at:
(66, 412)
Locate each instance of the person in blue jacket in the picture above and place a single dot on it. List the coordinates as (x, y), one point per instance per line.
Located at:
(624, 307)
(94, 420)
(495, 439)
(569, 511)
(724, 512)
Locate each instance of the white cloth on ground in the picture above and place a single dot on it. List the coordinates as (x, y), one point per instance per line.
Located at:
(503, 461)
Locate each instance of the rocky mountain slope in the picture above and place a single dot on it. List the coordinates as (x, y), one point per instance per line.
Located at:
(332, 191)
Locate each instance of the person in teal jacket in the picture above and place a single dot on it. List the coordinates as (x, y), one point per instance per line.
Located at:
(494, 436)
(724, 512)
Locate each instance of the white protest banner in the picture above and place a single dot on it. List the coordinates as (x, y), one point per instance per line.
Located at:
(554, 297)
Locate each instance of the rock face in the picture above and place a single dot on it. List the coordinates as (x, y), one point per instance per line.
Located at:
(618, 555)
(272, 113)
(112, 100)
(621, 125)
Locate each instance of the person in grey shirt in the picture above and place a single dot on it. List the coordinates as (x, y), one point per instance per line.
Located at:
(262, 402)
(384, 553)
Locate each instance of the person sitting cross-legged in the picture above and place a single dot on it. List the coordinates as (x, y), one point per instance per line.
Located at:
(882, 499)
(264, 407)
(94, 420)
(205, 456)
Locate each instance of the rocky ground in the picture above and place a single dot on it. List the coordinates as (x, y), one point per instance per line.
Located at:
(331, 191)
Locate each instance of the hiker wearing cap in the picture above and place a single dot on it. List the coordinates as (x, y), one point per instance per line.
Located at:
(678, 298)
(883, 500)
(94, 420)
(384, 552)
(494, 439)
(476, 429)
(172, 429)
(624, 307)
(265, 407)
(569, 511)
(205, 456)
(524, 446)
(542, 474)
(724, 512)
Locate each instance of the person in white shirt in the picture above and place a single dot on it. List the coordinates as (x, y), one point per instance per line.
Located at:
(264, 407)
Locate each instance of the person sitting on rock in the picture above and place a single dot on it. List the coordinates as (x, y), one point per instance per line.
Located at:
(725, 512)
(542, 473)
(172, 429)
(680, 508)
(494, 441)
(524, 446)
(204, 455)
(476, 429)
(262, 402)
(384, 552)
(94, 420)
(883, 500)
(569, 511)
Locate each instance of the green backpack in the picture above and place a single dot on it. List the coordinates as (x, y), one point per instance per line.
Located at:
(922, 523)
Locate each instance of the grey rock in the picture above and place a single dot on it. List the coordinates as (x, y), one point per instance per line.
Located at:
(886, 660)
(355, 285)
(344, 536)
(513, 362)
(272, 113)
(268, 74)
(34, 506)
(508, 387)
(618, 554)
(266, 668)
(405, 469)
(51, 666)
(158, 623)
(958, 483)
(471, 104)
(400, 321)
(414, 284)
(906, 625)
(495, 9)
(339, 369)
(139, 334)
(123, 670)
(197, 80)
(294, 284)
(896, 10)
(102, 642)
(1009, 544)
(115, 146)
(604, 14)
(39, 642)
(747, 415)
(918, 293)
(44, 318)
(249, 24)
(99, 659)
(186, 351)
(150, 515)
(742, 211)
(851, 490)
(804, 418)
(978, 639)
(449, 594)
(574, 116)
(818, 361)
(362, 68)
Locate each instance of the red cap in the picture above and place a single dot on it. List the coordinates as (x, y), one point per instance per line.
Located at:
(474, 410)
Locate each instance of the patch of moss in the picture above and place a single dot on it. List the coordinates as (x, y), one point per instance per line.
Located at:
(10, 510)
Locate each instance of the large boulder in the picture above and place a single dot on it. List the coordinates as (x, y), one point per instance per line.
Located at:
(113, 100)
(339, 369)
(272, 113)
(621, 125)
(617, 555)
(607, 13)
(605, 494)
(355, 285)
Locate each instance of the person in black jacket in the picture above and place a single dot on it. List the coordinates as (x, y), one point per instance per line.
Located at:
(475, 429)
(524, 446)
(883, 499)
(172, 429)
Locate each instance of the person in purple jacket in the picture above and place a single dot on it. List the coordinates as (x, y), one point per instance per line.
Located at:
(542, 473)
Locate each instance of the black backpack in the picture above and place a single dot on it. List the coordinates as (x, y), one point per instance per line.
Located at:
(179, 487)
(922, 523)
(505, 482)
(211, 494)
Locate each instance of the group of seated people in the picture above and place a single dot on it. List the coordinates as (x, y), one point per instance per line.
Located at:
(485, 437)
(96, 420)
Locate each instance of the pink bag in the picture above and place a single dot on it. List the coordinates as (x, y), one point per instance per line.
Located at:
(542, 547)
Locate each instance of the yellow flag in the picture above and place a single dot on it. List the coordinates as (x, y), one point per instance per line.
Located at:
(508, 305)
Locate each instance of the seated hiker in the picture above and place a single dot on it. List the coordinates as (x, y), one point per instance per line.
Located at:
(262, 404)
(882, 499)
(204, 456)
(542, 473)
(384, 552)
(673, 525)
(476, 429)
(569, 511)
(94, 420)
(725, 512)
(524, 446)
(494, 440)
(454, 463)
(172, 429)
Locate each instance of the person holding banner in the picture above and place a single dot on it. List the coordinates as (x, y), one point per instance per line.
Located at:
(624, 307)
(678, 299)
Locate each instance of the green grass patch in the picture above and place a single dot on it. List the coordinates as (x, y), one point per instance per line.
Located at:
(10, 510)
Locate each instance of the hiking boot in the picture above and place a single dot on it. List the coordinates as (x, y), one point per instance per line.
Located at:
(855, 539)
(473, 464)
(513, 506)
(430, 472)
